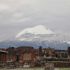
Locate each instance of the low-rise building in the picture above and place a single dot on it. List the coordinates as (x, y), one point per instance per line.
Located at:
(3, 55)
(26, 54)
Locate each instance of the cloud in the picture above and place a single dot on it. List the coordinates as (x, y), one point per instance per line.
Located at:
(3, 7)
(37, 30)
(22, 9)
(20, 14)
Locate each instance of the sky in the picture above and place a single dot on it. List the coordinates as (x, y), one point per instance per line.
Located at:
(16, 15)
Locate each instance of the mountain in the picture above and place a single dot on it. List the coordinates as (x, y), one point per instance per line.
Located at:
(36, 44)
(38, 36)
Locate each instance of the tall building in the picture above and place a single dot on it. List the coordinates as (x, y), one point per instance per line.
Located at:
(69, 52)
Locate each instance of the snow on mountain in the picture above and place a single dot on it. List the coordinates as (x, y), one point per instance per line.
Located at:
(45, 44)
(39, 36)
(68, 42)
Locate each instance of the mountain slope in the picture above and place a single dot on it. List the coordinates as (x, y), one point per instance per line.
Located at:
(36, 44)
(38, 36)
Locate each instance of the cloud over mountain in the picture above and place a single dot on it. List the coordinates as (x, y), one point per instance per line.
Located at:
(41, 33)
(34, 33)
(40, 29)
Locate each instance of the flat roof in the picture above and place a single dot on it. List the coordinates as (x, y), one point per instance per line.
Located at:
(3, 51)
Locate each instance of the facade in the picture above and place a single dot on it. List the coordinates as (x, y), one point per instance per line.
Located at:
(29, 55)
(26, 54)
(11, 55)
(68, 52)
(49, 52)
(61, 53)
(3, 55)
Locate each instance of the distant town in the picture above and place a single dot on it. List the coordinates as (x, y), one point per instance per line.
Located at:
(34, 57)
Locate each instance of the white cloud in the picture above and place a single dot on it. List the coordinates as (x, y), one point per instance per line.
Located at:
(40, 29)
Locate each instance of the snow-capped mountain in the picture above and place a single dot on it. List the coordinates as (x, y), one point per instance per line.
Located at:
(45, 44)
(38, 36)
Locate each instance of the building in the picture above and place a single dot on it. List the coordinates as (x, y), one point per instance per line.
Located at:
(3, 55)
(11, 55)
(68, 52)
(26, 54)
(61, 53)
(34, 56)
(49, 52)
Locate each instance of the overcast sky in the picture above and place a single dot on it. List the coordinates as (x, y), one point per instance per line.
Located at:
(15, 15)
